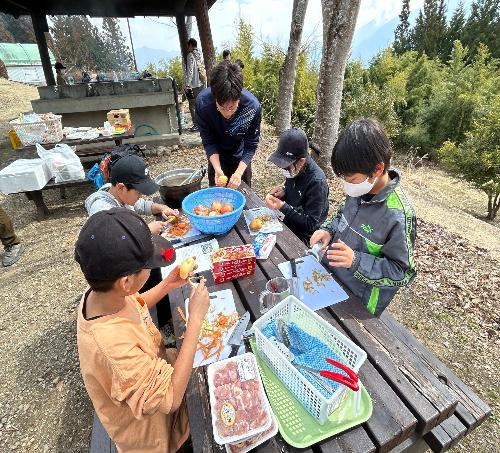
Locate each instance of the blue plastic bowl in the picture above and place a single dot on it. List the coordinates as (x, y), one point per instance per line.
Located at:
(217, 224)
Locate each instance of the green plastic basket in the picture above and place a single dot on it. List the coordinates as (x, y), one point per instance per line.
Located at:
(297, 427)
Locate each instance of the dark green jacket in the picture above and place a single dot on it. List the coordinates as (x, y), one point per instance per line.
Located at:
(382, 234)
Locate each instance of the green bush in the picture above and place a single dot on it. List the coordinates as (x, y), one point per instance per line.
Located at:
(477, 159)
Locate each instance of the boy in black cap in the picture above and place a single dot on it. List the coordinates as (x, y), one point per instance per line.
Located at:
(136, 385)
(303, 198)
(129, 180)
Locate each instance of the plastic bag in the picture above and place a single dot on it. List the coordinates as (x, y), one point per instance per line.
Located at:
(64, 164)
(95, 175)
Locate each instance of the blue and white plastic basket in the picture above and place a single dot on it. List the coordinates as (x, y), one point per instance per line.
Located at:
(290, 310)
(218, 224)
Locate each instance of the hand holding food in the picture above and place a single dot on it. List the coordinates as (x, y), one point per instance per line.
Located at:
(340, 255)
(273, 203)
(320, 236)
(235, 181)
(277, 192)
(168, 213)
(220, 177)
(186, 267)
(157, 226)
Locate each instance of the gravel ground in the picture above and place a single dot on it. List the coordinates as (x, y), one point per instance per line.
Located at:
(453, 307)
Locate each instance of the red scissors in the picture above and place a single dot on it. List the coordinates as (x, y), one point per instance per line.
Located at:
(351, 380)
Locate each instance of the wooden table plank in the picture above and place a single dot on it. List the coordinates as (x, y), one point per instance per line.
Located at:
(471, 409)
(446, 435)
(355, 440)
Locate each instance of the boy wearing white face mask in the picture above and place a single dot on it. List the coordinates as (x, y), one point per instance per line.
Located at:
(370, 242)
(303, 198)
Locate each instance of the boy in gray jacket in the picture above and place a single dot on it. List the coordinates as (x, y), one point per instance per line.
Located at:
(370, 242)
(129, 181)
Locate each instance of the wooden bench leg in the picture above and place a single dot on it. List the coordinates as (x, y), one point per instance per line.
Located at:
(41, 208)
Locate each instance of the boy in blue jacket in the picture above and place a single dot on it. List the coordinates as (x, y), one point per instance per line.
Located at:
(370, 242)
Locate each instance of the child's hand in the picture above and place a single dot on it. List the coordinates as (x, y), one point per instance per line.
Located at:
(199, 302)
(322, 236)
(277, 191)
(340, 255)
(157, 226)
(174, 280)
(273, 202)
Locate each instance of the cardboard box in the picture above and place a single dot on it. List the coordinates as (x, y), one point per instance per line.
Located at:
(229, 263)
(119, 118)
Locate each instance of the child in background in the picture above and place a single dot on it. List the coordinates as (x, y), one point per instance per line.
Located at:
(129, 181)
(370, 241)
(136, 385)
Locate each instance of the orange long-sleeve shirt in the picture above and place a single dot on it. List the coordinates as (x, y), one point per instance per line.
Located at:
(127, 373)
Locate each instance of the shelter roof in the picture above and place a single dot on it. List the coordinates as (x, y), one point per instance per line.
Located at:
(21, 54)
(101, 8)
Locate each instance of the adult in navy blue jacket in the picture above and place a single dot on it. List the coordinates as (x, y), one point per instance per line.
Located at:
(228, 118)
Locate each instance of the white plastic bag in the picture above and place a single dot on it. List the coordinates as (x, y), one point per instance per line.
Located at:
(64, 164)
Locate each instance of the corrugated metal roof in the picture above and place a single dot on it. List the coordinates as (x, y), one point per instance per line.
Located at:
(21, 54)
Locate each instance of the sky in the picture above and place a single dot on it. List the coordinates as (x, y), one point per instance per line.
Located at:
(270, 19)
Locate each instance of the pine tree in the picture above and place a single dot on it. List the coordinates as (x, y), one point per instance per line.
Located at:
(483, 26)
(430, 28)
(454, 31)
(243, 50)
(79, 43)
(119, 55)
(402, 37)
(16, 30)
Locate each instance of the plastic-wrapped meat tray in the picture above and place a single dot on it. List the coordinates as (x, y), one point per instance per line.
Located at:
(239, 405)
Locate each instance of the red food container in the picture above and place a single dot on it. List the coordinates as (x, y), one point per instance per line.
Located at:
(229, 263)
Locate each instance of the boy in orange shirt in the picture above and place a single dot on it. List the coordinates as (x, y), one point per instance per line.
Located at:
(136, 385)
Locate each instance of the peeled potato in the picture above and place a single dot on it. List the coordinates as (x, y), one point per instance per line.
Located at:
(186, 267)
(256, 224)
(269, 197)
(223, 179)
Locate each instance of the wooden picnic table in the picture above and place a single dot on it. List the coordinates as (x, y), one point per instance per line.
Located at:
(418, 403)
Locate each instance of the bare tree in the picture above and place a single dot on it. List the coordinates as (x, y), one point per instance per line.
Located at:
(288, 70)
(339, 21)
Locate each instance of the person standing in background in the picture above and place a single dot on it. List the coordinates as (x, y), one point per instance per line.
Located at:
(59, 67)
(11, 243)
(194, 75)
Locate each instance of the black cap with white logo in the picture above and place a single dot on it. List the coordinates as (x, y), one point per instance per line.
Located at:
(118, 242)
(292, 146)
(134, 171)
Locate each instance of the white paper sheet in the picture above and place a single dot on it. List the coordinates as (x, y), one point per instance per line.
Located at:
(202, 251)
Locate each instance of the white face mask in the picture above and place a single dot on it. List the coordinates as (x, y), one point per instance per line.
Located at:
(357, 190)
(287, 173)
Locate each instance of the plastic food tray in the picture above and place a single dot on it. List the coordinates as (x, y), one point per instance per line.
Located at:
(292, 309)
(256, 440)
(211, 369)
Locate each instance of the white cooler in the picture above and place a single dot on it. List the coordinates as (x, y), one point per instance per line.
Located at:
(24, 175)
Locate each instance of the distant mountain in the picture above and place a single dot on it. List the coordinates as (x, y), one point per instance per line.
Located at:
(145, 55)
(371, 38)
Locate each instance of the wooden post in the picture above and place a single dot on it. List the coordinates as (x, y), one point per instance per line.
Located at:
(205, 33)
(180, 19)
(40, 27)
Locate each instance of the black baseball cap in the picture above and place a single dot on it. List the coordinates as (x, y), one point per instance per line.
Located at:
(292, 146)
(59, 65)
(134, 171)
(118, 242)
